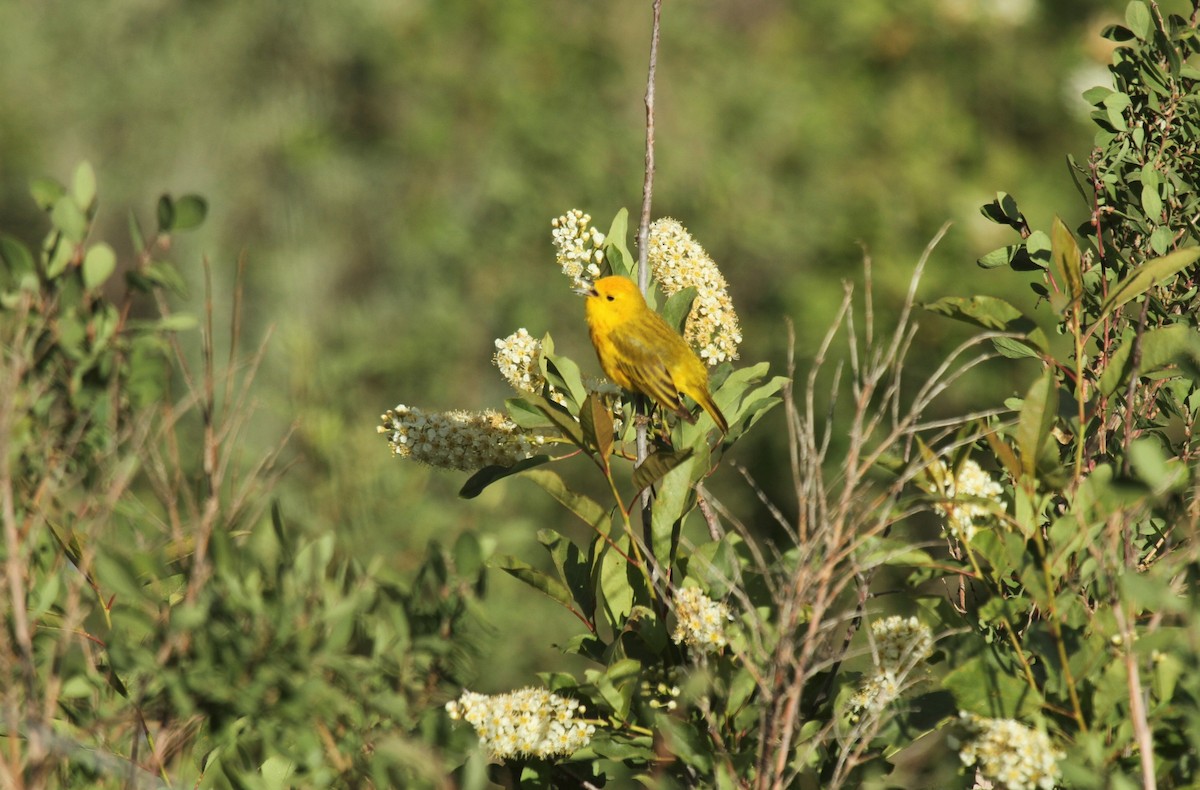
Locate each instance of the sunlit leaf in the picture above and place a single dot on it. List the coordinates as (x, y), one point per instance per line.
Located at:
(1146, 276)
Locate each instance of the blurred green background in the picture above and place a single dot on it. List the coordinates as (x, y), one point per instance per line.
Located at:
(389, 171)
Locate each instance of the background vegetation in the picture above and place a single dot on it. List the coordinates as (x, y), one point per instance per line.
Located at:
(391, 171)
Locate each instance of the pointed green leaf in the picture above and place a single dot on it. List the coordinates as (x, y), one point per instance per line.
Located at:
(675, 311)
(1146, 276)
(656, 466)
(135, 233)
(616, 249)
(560, 418)
(596, 423)
(574, 568)
(538, 580)
(588, 510)
(1037, 416)
(525, 414)
(990, 312)
(675, 499)
(1068, 263)
(490, 474)
(563, 374)
(1161, 346)
(165, 211)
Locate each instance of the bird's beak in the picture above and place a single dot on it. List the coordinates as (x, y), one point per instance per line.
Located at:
(589, 290)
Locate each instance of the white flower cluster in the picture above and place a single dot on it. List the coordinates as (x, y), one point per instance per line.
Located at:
(528, 722)
(1011, 754)
(517, 358)
(961, 517)
(880, 690)
(700, 621)
(577, 247)
(898, 645)
(901, 642)
(678, 262)
(462, 440)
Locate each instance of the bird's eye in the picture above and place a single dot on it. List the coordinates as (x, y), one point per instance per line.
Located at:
(610, 297)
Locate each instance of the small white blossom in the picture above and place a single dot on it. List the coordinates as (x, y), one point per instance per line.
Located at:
(700, 621)
(1010, 754)
(528, 722)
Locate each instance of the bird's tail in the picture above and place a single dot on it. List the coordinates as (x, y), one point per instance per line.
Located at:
(706, 402)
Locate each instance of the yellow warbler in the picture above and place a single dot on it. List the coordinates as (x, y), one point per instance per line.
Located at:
(640, 352)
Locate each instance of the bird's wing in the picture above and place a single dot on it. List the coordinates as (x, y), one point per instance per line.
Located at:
(645, 365)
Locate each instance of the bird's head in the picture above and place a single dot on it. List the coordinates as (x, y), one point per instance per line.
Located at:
(615, 296)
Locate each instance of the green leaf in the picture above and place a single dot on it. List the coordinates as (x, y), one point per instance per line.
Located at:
(978, 686)
(586, 508)
(1039, 247)
(1014, 256)
(1114, 110)
(1064, 251)
(538, 580)
(525, 414)
(83, 188)
(615, 584)
(675, 311)
(1161, 239)
(616, 251)
(17, 259)
(1138, 20)
(67, 218)
(1161, 346)
(1003, 211)
(560, 419)
(46, 192)
(165, 212)
(563, 374)
(674, 499)
(190, 212)
(1146, 276)
(574, 567)
(596, 423)
(468, 555)
(1037, 416)
(490, 474)
(135, 233)
(990, 312)
(1013, 348)
(656, 466)
(1153, 467)
(684, 741)
(98, 265)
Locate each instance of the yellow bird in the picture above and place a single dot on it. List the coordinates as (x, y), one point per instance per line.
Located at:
(641, 353)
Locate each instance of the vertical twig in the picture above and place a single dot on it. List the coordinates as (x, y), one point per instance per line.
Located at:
(643, 238)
